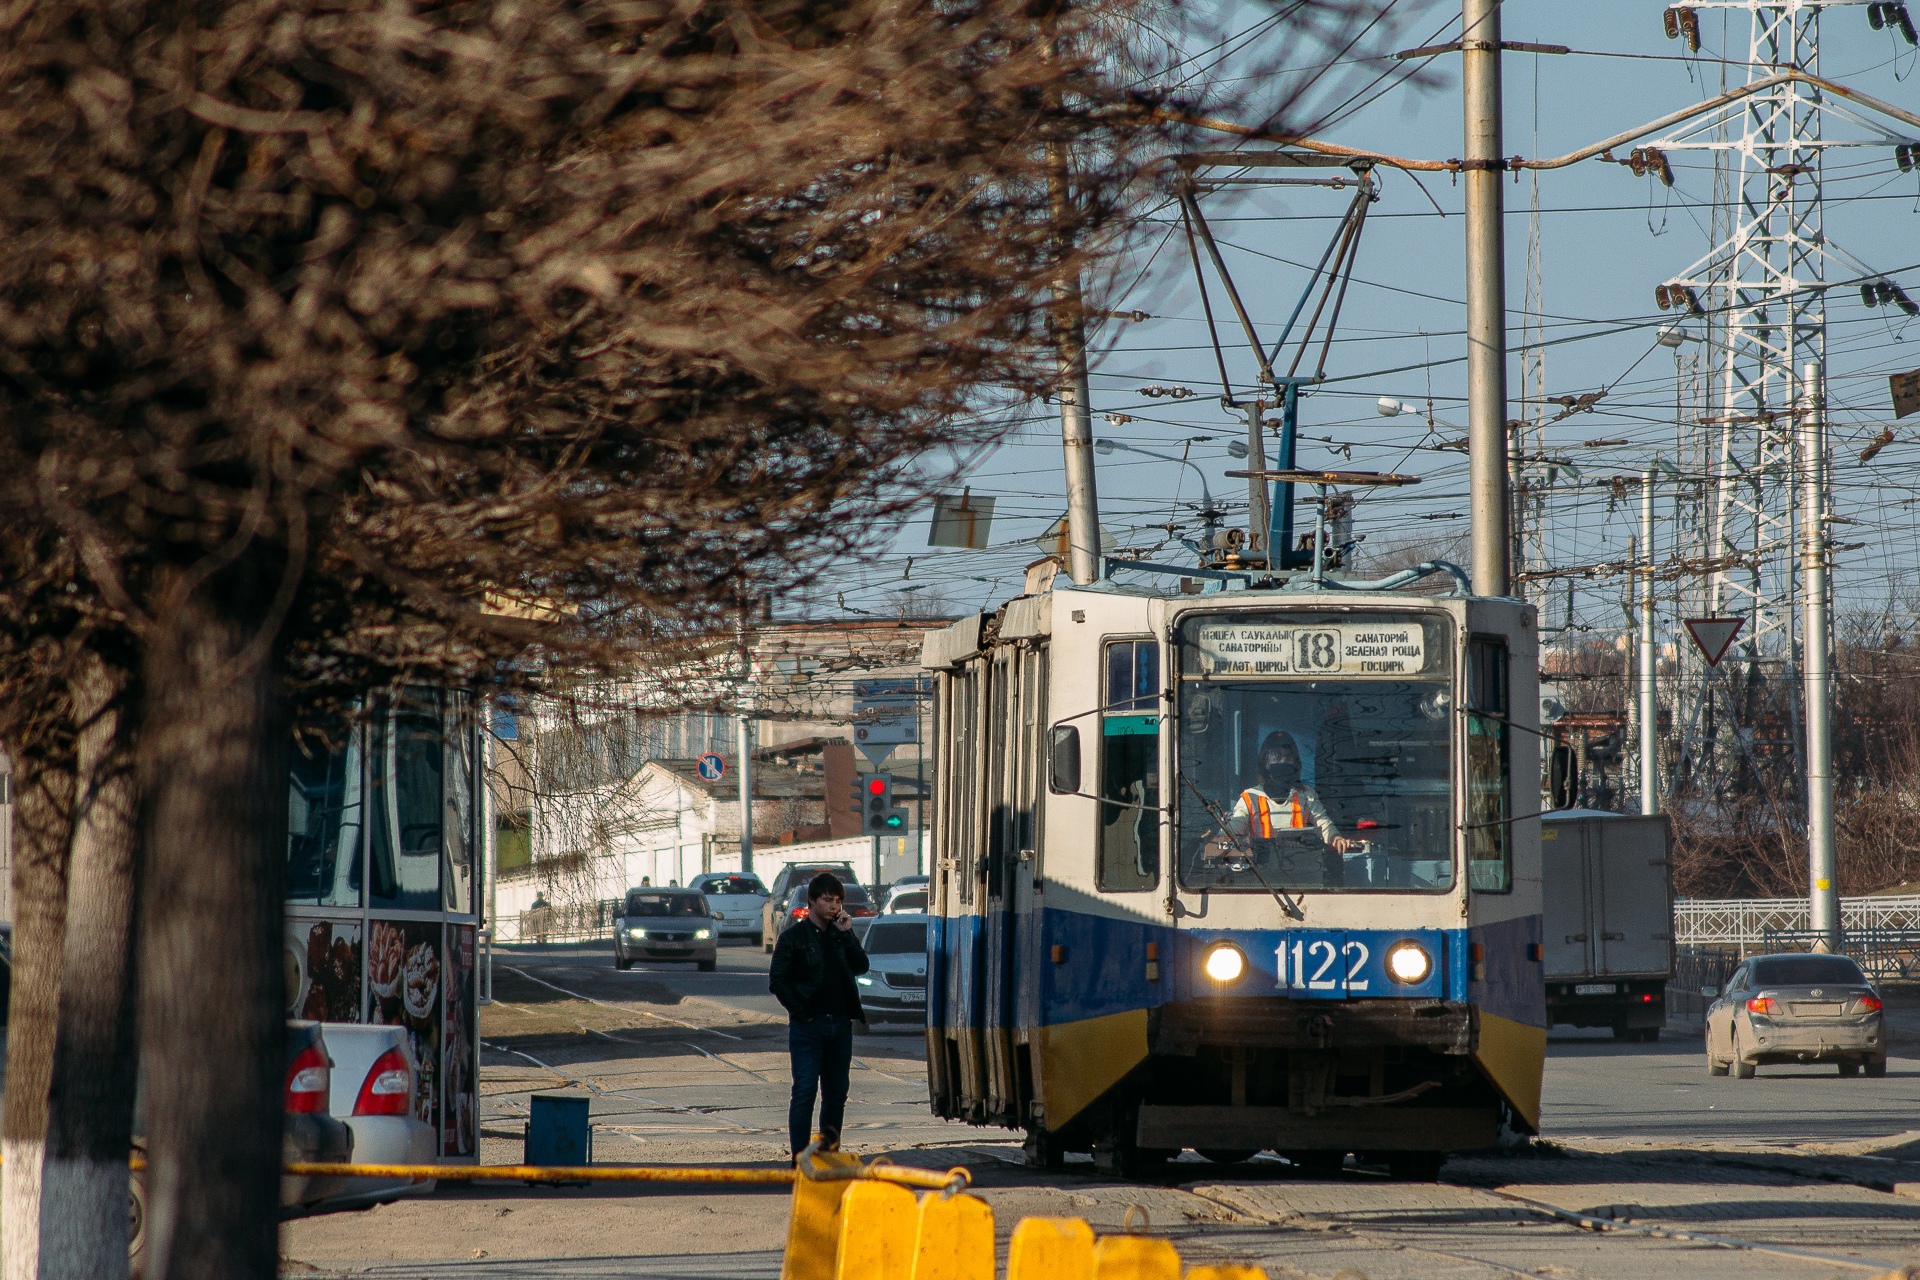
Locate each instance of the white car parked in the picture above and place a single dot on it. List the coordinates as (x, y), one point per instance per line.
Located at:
(372, 1094)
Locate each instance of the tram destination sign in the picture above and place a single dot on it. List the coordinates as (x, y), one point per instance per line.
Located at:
(1241, 647)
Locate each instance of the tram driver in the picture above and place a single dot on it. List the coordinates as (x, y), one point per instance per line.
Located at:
(1282, 801)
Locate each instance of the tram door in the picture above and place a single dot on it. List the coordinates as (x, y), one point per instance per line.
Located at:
(993, 712)
(955, 1063)
(1009, 928)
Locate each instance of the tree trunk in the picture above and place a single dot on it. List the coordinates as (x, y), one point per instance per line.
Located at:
(43, 810)
(83, 1198)
(213, 780)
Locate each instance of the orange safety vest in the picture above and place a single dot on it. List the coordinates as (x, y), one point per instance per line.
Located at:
(1260, 807)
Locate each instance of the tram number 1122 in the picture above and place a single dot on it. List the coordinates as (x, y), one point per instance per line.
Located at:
(1330, 963)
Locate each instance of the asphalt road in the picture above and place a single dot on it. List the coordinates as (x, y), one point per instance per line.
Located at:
(1594, 1087)
(1787, 1177)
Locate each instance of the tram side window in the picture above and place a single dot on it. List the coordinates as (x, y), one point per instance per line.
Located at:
(961, 811)
(1130, 769)
(1489, 797)
(1133, 676)
(323, 824)
(405, 814)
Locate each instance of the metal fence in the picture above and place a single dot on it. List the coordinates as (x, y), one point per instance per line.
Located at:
(570, 922)
(1748, 922)
(1883, 953)
(1696, 969)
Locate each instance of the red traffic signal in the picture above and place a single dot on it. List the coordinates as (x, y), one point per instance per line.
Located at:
(876, 786)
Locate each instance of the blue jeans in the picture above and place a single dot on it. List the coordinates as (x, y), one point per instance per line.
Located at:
(821, 1051)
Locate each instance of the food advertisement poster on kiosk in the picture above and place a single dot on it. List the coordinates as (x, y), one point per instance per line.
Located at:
(403, 979)
(459, 1113)
(322, 959)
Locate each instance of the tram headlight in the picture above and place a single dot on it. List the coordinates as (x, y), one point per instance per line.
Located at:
(1408, 963)
(1224, 963)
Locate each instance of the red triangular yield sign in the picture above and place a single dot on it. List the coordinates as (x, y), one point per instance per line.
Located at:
(1714, 635)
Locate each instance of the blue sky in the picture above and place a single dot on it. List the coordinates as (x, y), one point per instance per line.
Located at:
(1607, 238)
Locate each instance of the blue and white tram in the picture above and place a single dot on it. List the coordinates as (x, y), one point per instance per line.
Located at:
(1238, 871)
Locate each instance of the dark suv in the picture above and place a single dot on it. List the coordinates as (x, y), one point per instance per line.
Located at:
(775, 916)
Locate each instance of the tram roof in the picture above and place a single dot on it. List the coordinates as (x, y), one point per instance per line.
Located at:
(1031, 615)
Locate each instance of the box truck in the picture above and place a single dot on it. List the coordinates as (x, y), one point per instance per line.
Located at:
(1608, 889)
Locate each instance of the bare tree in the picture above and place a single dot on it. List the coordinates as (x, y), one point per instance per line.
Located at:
(353, 345)
(323, 327)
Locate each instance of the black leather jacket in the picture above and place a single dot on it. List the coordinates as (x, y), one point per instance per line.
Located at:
(808, 957)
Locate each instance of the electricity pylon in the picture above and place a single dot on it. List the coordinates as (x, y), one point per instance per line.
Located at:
(1759, 292)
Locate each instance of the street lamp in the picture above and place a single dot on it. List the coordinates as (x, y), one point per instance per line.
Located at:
(1208, 512)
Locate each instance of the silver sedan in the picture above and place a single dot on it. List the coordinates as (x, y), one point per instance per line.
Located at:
(1796, 1008)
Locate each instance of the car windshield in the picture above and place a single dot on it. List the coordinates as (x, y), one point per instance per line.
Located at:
(897, 938)
(1807, 971)
(666, 904)
(733, 884)
(915, 901)
(1306, 731)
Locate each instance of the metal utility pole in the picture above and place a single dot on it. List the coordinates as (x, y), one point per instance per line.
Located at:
(1486, 296)
(743, 743)
(1649, 658)
(1824, 897)
(1076, 399)
(744, 749)
(1076, 438)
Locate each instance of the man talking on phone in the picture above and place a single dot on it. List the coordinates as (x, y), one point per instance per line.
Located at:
(814, 965)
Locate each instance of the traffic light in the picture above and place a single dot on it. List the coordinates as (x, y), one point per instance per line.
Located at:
(877, 805)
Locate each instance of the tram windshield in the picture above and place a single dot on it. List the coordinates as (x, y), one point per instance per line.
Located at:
(1314, 752)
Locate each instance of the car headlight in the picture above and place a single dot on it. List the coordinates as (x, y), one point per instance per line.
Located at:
(636, 933)
(703, 934)
(1224, 963)
(1408, 963)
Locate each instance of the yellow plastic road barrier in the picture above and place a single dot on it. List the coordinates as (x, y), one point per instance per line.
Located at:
(1051, 1249)
(1135, 1258)
(1226, 1273)
(954, 1240)
(814, 1221)
(878, 1222)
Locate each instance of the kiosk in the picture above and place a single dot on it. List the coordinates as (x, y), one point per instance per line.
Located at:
(383, 894)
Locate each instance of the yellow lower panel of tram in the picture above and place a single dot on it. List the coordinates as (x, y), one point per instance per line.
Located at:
(1513, 1055)
(1079, 1061)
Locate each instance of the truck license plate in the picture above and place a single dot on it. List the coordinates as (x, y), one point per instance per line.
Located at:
(1593, 989)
